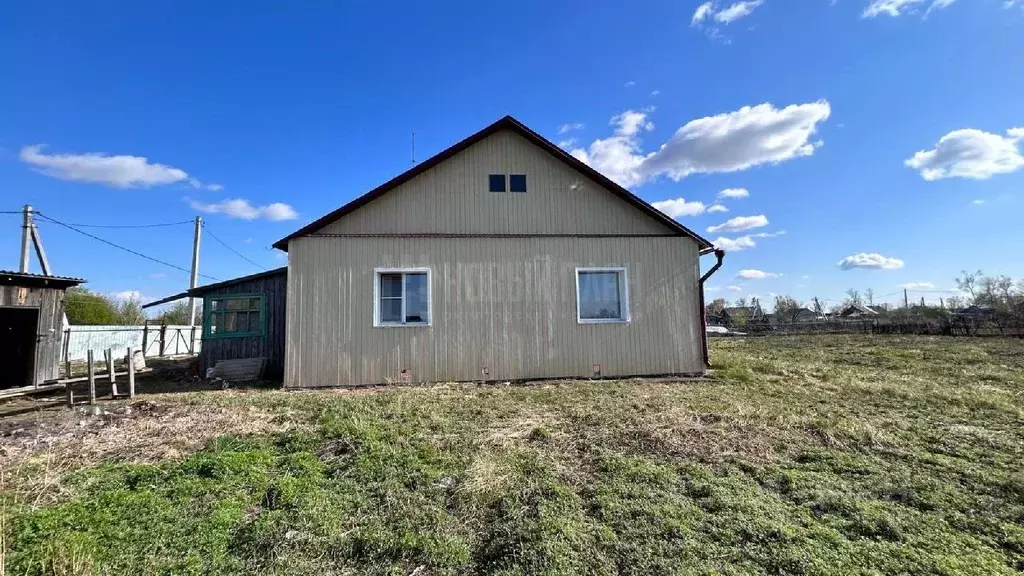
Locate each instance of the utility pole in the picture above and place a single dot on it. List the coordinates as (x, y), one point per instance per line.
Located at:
(195, 272)
(26, 226)
(906, 303)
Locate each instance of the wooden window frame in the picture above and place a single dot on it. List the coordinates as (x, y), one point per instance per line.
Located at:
(623, 276)
(377, 323)
(208, 311)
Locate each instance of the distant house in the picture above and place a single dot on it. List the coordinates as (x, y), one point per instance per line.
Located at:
(243, 323)
(858, 311)
(736, 315)
(976, 311)
(805, 315)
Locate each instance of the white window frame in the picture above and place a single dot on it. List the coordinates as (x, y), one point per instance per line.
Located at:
(377, 323)
(623, 276)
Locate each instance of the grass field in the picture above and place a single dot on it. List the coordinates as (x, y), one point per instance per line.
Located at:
(824, 455)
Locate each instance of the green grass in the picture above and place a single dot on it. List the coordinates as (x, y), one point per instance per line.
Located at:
(824, 455)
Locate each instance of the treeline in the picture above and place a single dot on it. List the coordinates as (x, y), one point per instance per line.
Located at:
(87, 308)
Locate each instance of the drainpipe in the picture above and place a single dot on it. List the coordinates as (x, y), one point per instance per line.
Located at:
(720, 254)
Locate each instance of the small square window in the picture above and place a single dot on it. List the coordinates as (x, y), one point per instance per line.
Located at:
(497, 182)
(517, 182)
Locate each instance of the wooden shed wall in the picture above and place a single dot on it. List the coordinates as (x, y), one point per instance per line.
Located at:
(49, 334)
(271, 345)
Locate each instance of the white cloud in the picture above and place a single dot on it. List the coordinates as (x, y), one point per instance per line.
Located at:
(567, 143)
(979, 201)
(655, 92)
(729, 142)
(872, 261)
(618, 156)
(734, 289)
(734, 193)
(743, 242)
(753, 274)
(737, 11)
(115, 171)
(679, 207)
(569, 127)
(717, 208)
(129, 295)
(728, 15)
(918, 286)
(630, 84)
(703, 12)
(242, 209)
(740, 223)
(970, 153)
(897, 7)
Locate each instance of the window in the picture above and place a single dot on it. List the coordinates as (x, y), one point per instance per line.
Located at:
(402, 297)
(233, 316)
(517, 182)
(497, 182)
(602, 295)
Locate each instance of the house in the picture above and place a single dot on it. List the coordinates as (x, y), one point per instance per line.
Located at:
(736, 315)
(856, 310)
(500, 258)
(31, 327)
(805, 315)
(243, 325)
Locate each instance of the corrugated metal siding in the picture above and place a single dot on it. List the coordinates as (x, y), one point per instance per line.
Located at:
(49, 335)
(270, 346)
(505, 304)
(453, 198)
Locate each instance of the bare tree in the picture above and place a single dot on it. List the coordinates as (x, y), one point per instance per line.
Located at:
(869, 295)
(969, 283)
(853, 296)
(786, 309)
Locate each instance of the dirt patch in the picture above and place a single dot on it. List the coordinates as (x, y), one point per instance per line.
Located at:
(139, 432)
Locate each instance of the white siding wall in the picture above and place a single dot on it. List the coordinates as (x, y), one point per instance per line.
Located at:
(505, 304)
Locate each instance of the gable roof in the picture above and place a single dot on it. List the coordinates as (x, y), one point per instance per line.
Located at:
(506, 123)
(11, 278)
(854, 308)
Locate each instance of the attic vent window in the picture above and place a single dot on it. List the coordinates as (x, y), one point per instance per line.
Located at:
(497, 182)
(517, 182)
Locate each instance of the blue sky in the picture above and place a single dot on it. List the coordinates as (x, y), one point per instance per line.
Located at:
(813, 107)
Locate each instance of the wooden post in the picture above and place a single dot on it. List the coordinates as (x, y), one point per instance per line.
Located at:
(67, 353)
(67, 368)
(145, 337)
(92, 377)
(110, 371)
(69, 394)
(163, 339)
(131, 373)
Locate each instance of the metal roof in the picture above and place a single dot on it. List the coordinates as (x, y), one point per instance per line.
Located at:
(200, 290)
(10, 277)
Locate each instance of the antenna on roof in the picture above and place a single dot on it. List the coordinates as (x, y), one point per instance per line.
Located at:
(414, 148)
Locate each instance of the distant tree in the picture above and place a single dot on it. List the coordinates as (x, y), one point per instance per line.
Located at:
(177, 313)
(85, 307)
(786, 309)
(869, 296)
(853, 296)
(969, 283)
(713, 309)
(129, 312)
(740, 303)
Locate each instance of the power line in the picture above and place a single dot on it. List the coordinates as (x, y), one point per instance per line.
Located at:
(128, 225)
(118, 246)
(236, 252)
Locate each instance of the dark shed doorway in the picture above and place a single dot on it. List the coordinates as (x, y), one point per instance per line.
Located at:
(18, 346)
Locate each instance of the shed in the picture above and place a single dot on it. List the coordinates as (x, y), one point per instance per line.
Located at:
(243, 324)
(31, 327)
(855, 310)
